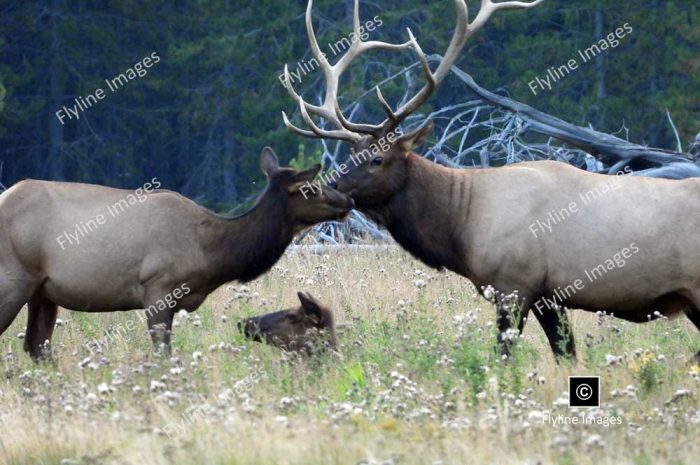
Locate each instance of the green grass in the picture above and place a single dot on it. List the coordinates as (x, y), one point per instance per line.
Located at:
(420, 381)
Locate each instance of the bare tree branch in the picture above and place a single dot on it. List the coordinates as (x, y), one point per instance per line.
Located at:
(605, 147)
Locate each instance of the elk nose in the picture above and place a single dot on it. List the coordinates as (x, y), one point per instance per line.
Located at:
(250, 329)
(242, 327)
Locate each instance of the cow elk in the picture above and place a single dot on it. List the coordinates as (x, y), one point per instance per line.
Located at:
(163, 254)
(634, 253)
(305, 329)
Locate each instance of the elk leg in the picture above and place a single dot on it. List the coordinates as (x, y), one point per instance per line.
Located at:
(14, 295)
(160, 322)
(524, 313)
(160, 326)
(40, 325)
(694, 316)
(558, 331)
(504, 322)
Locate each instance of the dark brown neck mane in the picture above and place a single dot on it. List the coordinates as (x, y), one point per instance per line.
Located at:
(247, 246)
(422, 218)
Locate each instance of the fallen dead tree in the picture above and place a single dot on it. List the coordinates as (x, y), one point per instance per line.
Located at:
(612, 151)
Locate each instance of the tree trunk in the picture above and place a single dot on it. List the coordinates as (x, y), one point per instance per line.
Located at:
(56, 157)
(600, 58)
(612, 151)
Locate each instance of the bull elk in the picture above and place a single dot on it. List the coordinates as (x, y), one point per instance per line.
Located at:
(163, 254)
(634, 253)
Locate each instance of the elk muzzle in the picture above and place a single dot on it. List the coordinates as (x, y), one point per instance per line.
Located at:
(344, 203)
(251, 329)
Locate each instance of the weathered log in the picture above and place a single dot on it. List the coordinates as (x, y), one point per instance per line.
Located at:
(610, 150)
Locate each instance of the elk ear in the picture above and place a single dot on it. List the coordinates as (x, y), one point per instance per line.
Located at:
(269, 164)
(303, 177)
(308, 174)
(310, 305)
(416, 138)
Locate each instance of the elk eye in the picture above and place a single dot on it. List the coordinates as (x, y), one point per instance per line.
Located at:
(376, 161)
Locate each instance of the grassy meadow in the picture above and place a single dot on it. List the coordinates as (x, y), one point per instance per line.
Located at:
(419, 382)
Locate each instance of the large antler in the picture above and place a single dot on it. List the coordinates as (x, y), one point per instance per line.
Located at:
(330, 109)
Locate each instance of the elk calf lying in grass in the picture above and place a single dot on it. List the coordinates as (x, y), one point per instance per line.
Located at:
(303, 329)
(163, 254)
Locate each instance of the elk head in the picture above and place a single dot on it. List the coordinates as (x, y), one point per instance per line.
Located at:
(306, 209)
(299, 329)
(377, 168)
(375, 175)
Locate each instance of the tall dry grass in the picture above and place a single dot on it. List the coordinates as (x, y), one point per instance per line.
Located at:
(419, 382)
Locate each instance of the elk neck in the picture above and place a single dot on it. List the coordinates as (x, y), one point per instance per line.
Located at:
(428, 216)
(244, 247)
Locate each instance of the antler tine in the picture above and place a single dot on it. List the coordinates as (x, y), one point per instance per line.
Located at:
(297, 98)
(301, 132)
(330, 108)
(325, 111)
(305, 107)
(357, 48)
(423, 60)
(331, 81)
(463, 31)
(488, 7)
(459, 38)
(342, 133)
(371, 129)
(356, 18)
(385, 105)
(409, 107)
(315, 49)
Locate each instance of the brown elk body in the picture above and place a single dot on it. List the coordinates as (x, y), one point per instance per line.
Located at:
(552, 234)
(302, 329)
(163, 254)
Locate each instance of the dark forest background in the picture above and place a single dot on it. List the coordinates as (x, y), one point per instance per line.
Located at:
(198, 120)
